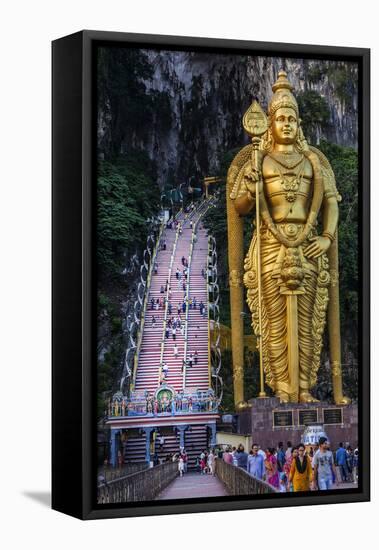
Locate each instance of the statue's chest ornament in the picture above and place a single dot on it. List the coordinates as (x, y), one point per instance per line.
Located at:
(290, 182)
(291, 185)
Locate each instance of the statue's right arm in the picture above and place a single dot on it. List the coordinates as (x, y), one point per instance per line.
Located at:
(245, 200)
(244, 203)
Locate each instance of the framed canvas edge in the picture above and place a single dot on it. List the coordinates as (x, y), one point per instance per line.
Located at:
(228, 506)
(67, 364)
(150, 40)
(89, 510)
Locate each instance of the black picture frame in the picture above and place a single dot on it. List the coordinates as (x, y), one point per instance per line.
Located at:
(74, 274)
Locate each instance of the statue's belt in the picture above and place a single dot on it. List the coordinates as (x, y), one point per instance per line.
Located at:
(291, 231)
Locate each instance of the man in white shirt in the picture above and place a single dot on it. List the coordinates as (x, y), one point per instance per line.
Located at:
(324, 467)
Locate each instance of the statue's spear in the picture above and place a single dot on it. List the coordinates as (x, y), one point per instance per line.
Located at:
(255, 124)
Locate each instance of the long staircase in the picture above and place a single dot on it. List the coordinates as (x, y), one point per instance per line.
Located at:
(149, 358)
(185, 377)
(195, 440)
(197, 376)
(134, 450)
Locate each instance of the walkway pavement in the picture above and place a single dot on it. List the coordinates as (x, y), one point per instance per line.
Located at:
(194, 485)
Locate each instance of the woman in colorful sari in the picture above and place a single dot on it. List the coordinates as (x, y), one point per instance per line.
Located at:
(301, 471)
(290, 457)
(271, 465)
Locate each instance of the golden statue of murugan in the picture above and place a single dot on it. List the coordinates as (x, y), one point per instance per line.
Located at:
(291, 267)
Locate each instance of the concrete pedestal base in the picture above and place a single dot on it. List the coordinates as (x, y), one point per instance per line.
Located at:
(269, 421)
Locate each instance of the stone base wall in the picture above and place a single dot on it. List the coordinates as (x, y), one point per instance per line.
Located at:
(260, 422)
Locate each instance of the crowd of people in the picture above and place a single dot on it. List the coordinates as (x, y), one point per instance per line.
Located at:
(297, 468)
(174, 224)
(205, 463)
(293, 469)
(176, 322)
(192, 359)
(189, 303)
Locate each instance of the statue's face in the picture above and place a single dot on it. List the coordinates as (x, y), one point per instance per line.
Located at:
(284, 126)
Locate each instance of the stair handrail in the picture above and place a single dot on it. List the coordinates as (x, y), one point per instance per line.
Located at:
(167, 298)
(201, 214)
(215, 345)
(209, 322)
(143, 311)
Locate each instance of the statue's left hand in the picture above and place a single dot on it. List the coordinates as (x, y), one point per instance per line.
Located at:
(302, 142)
(318, 246)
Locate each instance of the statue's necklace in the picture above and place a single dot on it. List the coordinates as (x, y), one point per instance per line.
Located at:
(291, 183)
(288, 160)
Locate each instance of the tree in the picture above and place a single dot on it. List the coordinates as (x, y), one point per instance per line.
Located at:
(315, 113)
(126, 199)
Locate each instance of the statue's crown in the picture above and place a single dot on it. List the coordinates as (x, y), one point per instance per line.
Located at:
(283, 96)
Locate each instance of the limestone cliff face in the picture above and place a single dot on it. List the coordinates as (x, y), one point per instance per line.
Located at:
(206, 96)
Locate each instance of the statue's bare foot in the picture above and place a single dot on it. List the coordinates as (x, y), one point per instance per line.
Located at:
(283, 396)
(306, 397)
(343, 400)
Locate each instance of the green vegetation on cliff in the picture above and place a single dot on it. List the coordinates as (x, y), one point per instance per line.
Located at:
(125, 105)
(315, 112)
(127, 200)
(344, 161)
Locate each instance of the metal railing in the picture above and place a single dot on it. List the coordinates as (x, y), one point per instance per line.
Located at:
(215, 351)
(142, 486)
(209, 322)
(239, 482)
(144, 306)
(139, 309)
(187, 305)
(167, 299)
(106, 474)
(200, 215)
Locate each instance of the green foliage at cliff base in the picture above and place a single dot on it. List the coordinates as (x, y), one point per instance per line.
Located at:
(127, 201)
